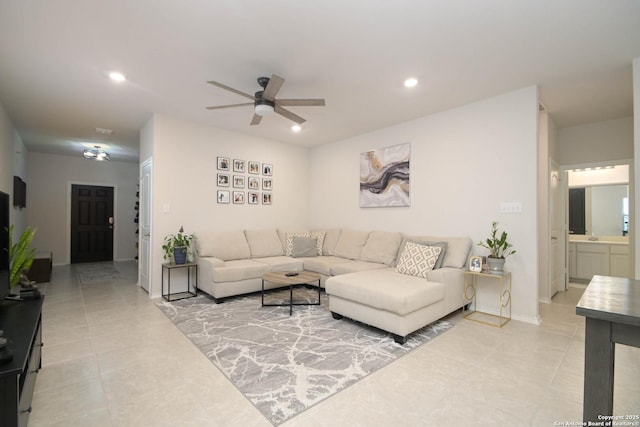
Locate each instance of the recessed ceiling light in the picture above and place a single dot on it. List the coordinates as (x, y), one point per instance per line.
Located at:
(410, 82)
(296, 128)
(117, 77)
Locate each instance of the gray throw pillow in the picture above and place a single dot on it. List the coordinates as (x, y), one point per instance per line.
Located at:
(303, 247)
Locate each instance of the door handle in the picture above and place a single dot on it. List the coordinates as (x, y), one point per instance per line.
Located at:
(147, 234)
(554, 238)
(110, 220)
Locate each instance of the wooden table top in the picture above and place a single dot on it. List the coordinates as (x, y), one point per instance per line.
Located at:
(611, 299)
(279, 277)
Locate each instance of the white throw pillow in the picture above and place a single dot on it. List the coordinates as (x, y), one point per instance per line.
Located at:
(417, 260)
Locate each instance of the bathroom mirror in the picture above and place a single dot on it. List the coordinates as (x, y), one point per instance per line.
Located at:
(599, 210)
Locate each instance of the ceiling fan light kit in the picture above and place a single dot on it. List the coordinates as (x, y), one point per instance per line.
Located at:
(265, 102)
(263, 109)
(97, 154)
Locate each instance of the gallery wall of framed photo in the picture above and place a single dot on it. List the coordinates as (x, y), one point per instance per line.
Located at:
(244, 181)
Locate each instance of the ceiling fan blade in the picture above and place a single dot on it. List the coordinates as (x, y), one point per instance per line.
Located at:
(256, 120)
(230, 89)
(300, 102)
(275, 83)
(218, 107)
(289, 115)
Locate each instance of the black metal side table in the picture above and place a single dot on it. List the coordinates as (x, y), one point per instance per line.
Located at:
(192, 290)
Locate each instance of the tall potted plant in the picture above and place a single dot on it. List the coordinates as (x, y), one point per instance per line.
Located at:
(177, 246)
(21, 255)
(499, 248)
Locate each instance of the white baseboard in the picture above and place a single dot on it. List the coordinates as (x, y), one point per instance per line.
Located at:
(536, 320)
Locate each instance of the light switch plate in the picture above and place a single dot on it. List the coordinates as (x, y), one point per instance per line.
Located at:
(511, 207)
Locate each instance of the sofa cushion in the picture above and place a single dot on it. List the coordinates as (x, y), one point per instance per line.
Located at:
(304, 247)
(241, 269)
(263, 243)
(331, 237)
(381, 247)
(426, 241)
(281, 263)
(386, 290)
(354, 267)
(225, 245)
(323, 264)
(417, 260)
(350, 243)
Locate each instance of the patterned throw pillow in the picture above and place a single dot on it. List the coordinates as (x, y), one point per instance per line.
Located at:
(318, 235)
(417, 260)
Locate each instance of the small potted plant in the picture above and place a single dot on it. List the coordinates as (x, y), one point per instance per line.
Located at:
(177, 246)
(499, 247)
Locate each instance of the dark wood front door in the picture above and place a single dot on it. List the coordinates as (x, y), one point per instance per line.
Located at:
(91, 223)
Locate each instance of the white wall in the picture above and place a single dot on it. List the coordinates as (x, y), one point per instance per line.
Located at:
(596, 142)
(19, 215)
(636, 164)
(12, 162)
(184, 182)
(6, 152)
(48, 200)
(464, 163)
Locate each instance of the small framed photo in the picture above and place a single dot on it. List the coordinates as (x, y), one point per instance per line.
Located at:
(223, 163)
(238, 181)
(238, 165)
(266, 198)
(267, 184)
(267, 169)
(475, 264)
(223, 196)
(254, 183)
(238, 197)
(223, 180)
(253, 198)
(254, 168)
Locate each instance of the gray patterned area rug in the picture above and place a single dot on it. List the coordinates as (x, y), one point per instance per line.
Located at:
(91, 273)
(283, 364)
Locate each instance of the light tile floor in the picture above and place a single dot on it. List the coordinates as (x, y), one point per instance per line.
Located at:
(111, 358)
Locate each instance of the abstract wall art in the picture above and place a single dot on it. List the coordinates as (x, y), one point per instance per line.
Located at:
(384, 177)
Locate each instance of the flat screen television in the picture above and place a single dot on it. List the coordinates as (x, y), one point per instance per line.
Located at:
(19, 192)
(4, 245)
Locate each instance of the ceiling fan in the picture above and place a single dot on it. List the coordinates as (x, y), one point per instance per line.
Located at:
(265, 102)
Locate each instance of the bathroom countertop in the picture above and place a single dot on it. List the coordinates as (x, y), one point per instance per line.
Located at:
(603, 241)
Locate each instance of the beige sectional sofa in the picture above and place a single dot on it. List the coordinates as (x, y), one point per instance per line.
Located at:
(369, 276)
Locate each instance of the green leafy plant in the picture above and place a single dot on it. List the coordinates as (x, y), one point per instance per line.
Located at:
(21, 255)
(498, 246)
(178, 240)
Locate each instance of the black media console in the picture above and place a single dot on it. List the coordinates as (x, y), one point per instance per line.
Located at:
(21, 323)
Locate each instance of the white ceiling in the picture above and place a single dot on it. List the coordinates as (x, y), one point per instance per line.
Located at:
(55, 57)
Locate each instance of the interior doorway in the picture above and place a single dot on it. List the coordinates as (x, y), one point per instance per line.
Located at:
(144, 270)
(91, 223)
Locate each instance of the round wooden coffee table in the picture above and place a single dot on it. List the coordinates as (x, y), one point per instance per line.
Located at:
(281, 278)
